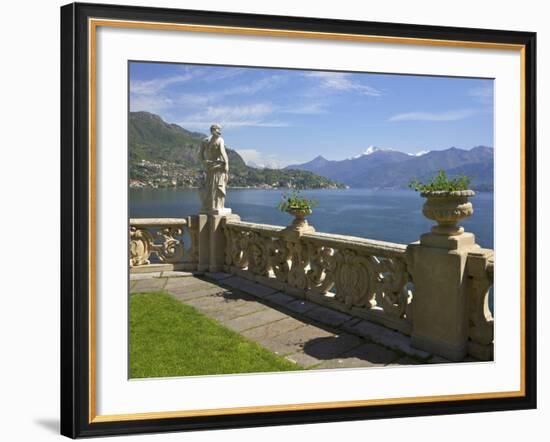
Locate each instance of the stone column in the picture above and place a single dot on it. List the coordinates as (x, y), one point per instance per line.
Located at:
(440, 306)
(203, 243)
(212, 242)
(218, 241)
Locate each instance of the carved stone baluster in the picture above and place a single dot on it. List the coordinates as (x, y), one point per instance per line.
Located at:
(229, 245)
(299, 260)
(321, 274)
(140, 246)
(239, 246)
(257, 255)
(356, 281)
(316, 274)
(171, 249)
(279, 259)
(394, 294)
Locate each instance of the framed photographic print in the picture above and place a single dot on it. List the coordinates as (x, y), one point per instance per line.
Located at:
(272, 220)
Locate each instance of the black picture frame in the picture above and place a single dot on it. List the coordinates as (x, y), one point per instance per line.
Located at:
(75, 220)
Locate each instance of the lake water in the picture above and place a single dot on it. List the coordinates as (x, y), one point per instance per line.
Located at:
(387, 215)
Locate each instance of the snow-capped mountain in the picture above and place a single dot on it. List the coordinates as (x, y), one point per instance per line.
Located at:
(419, 154)
(373, 149)
(390, 168)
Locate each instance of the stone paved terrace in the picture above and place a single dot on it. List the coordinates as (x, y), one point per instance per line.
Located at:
(310, 335)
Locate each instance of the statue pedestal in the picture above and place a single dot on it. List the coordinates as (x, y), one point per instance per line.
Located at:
(212, 239)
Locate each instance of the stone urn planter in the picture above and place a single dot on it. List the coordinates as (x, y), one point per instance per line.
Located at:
(299, 207)
(300, 223)
(447, 208)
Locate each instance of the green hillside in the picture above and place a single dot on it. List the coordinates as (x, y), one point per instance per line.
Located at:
(166, 155)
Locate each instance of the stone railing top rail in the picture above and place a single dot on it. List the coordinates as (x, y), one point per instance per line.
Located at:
(255, 227)
(160, 222)
(381, 248)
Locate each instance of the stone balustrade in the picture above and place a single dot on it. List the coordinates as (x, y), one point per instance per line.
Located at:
(366, 278)
(435, 290)
(163, 238)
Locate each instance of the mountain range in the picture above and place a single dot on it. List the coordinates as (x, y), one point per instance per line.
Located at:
(390, 168)
(162, 154)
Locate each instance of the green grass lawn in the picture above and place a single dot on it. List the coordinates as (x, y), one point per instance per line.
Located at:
(168, 338)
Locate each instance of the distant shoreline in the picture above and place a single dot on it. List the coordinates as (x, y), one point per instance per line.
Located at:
(290, 188)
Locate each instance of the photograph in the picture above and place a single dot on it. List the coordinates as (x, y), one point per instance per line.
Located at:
(284, 219)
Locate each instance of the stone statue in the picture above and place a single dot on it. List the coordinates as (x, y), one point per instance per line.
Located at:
(216, 165)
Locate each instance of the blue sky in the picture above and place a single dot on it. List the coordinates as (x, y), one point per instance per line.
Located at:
(276, 117)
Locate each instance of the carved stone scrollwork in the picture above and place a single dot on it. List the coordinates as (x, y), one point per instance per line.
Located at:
(349, 271)
(140, 246)
(237, 243)
(355, 279)
(359, 279)
(394, 294)
(298, 263)
(142, 243)
(257, 255)
(322, 272)
(279, 257)
(170, 250)
(228, 233)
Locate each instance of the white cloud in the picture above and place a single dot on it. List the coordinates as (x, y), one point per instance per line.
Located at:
(218, 74)
(249, 155)
(205, 124)
(238, 112)
(255, 158)
(434, 116)
(340, 81)
(142, 94)
(155, 96)
(190, 100)
(306, 109)
(148, 103)
(233, 116)
(482, 94)
(151, 87)
(254, 87)
(157, 85)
